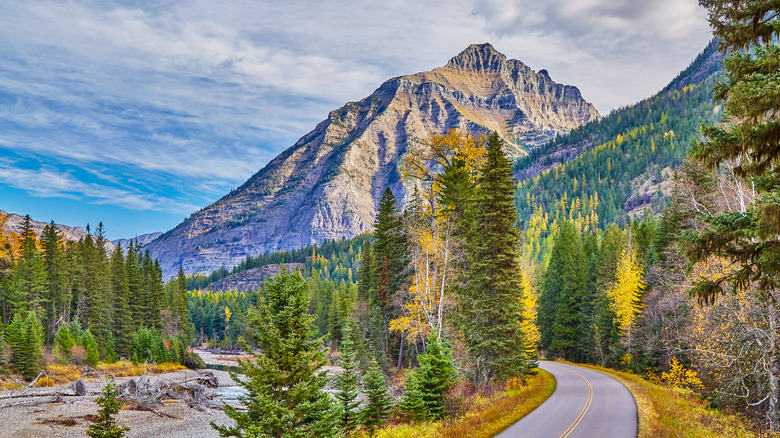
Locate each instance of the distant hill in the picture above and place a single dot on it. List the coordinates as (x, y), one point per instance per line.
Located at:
(327, 186)
(69, 233)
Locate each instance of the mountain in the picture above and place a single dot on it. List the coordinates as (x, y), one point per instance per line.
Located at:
(143, 239)
(328, 185)
(616, 168)
(68, 233)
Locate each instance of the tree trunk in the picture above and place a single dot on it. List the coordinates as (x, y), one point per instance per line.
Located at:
(401, 351)
(774, 369)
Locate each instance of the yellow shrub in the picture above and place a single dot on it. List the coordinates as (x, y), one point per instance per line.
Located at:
(45, 382)
(62, 373)
(680, 377)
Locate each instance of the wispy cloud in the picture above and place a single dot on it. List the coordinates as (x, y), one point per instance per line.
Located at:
(176, 102)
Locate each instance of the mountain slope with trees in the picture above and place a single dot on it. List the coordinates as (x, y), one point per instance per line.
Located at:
(328, 185)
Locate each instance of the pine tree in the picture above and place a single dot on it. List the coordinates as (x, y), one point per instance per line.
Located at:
(51, 243)
(90, 345)
(105, 425)
(378, 402)
(110, 348)
(3, 357)
(427, 384)
(25, 334)
(346, 384)
(135, 288)
(389, 252)
(490, 312)
(123, 318)
(64, 339)
(181, 304)
(286, 397)
(563, 296)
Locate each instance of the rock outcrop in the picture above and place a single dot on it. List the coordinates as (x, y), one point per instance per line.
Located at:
(327, 185)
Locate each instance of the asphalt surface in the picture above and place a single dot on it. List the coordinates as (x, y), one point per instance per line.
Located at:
(585, 404)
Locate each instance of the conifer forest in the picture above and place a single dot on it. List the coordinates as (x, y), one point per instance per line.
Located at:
(645, 242)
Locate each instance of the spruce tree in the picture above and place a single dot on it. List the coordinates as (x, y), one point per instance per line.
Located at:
(378, 402)
(123, 318)
(3, 357)
(427, 384)
(64, 340)
(104, 424)
(489, 305)
(346, 384)
(51, 243)
(181, 304)
(389, 251)
(285, 389)
(563, 295)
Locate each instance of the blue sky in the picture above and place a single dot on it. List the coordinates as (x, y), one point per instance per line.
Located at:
(138, 113)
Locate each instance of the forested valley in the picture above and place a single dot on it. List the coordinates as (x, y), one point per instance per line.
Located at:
(646, 242)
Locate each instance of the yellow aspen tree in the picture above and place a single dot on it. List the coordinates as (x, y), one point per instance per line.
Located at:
(625, 293)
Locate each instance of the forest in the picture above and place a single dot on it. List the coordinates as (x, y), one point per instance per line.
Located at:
(460, 291)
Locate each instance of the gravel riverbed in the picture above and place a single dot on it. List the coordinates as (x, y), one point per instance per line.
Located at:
(69, 418)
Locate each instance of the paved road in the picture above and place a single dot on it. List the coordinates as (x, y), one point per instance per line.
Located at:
(585, 404)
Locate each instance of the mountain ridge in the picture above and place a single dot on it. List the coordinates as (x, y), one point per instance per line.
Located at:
(328, 184)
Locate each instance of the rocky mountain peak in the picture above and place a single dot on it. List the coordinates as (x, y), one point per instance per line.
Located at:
(479, 57)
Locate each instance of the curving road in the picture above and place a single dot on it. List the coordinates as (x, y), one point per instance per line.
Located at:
(585, 404)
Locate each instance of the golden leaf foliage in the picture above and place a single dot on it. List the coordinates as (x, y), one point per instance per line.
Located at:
(625, 294)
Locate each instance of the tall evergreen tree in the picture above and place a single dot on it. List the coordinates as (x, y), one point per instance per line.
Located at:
(285, 392)
(489, 305)
(563, 295)
(346, 384)
(748, 140)
(123, 318)
(181, 304)
(51, 243)
(389, 251)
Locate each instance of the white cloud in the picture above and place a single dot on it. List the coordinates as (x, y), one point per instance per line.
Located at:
(198, 95)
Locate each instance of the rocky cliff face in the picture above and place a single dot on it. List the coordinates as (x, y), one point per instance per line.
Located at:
(328, 184)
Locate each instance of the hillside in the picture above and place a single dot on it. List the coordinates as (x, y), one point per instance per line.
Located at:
(68, 233)
(327, 186)
(616, 168)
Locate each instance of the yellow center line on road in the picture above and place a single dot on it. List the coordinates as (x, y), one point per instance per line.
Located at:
(584, 409)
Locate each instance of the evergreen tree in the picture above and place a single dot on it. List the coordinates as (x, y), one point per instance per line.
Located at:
(51, 243)
(29, 274)
(389, 252)
(346, 384)
(181, 304)
(64, 340)
(489, 305)
(25, 335)
(110, 348)
(104, 424)
(3, 357)
(378, 402)
(563, 296)
(135, 287)
(90, 346)
(123, 318)
(427, 384)
(285, 391)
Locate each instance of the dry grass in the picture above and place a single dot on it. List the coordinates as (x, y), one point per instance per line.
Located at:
(674, 412)
(486, 416)
(62, 373)
(124, 368)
